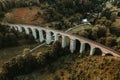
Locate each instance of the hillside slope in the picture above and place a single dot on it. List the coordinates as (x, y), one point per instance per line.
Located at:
(74, 67)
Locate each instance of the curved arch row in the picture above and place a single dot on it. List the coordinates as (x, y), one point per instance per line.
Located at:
(49, 36)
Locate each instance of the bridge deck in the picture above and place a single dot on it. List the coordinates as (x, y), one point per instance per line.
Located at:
(72, 36)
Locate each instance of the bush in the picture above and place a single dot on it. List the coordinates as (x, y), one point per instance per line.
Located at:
(99, 31)
(102, 40)
(110, 41)
(1, 40)
(118, 41)
(10, 40)
(115, 30)
(2, 14)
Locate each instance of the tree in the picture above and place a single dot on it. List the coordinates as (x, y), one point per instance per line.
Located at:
(1, 40)
(56, 48)
(106, 13)
(110, 41)
(118, 41)
(83, 33)
(98, 1)
(99, 31)
(10, 40)
(102, 40)
(115, 29)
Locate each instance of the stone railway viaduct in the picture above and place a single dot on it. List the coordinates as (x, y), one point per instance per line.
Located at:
(53, 35)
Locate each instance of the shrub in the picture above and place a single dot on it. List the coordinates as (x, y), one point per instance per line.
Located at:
(110, 41)
(99, 31)
(1, 40)
(57, 78)
(118, 41)
(10, 40)
(115, 30)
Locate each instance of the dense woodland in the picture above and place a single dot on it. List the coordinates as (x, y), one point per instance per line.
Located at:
(68, 12)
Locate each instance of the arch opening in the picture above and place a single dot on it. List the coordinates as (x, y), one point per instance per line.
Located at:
(67, 42)
(86, 49)
(23, 29)
(37, 35)
(97, 52)
(44, 33)
(78, 44)
(20, 28)
(30, 31)
(34, 33)
(108, 54)
(59, 38)
(51, 37)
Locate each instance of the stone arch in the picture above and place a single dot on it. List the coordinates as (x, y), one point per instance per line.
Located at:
(42, 35)
(15, 28)
(27, 31)
(37, 34)
(34, 33)
(68, 41)
(19, 28)
(49, 35)
(59, 37)
(108, 54)
(30, 31)
(56, 37)
(23, 29)
(52, 35)
(97, 51)
(78, 44)
(24, 32)
(87, 47)
(64, 41)
(51, 32)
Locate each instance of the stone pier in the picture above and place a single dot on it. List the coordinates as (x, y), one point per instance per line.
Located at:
(48, 37)
(64, 41)
(72, 45)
